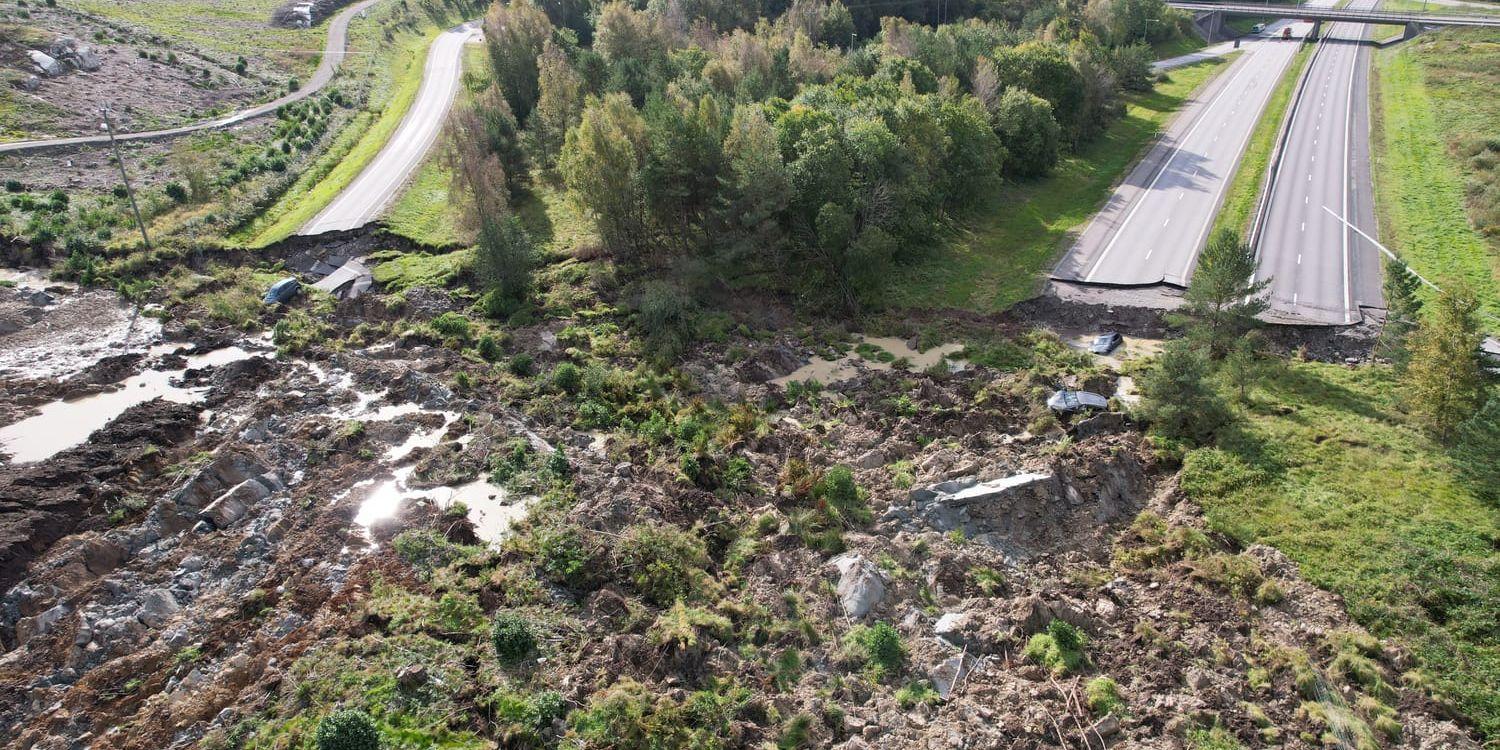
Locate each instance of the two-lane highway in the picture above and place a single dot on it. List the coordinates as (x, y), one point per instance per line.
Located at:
(1154, 225)
(1321, 272)
(367, 197)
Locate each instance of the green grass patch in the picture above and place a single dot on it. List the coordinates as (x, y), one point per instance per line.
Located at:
(1244, 188)
(1000, 258)
(1437, 157)
(397, 272)
(223, 29)
(354, 148)
(1176, 47)
(1324, 467)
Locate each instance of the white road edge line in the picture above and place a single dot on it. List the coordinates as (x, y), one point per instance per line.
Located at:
(1348, 137)
(1175, 152)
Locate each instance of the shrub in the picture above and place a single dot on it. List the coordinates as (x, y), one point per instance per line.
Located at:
(426, 549)
(1060, 649)
(489, 348)
(840, 499)
(665, 316)
(529, 713)
(1103, 696)
(14, 186)
(681, 626)
(665, 562)
(521, 365)
(451, 325)
(879, 646)
(567, 377)
(561, 555)
(176, 192)
(348, 729)
(514, 637)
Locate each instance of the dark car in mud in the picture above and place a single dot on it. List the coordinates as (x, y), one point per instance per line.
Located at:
(282, 291)
(1106, 342)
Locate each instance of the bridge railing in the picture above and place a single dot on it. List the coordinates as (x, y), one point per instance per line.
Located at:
(1336, 14)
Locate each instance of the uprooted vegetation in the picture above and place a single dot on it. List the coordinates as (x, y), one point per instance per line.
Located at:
(709, 558)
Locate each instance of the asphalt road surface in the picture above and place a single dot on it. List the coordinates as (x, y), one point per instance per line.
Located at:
(1151, 229)
(373, 190)
(334, 53)
(1322, 272)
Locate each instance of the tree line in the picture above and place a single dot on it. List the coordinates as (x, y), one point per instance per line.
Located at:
(809, 146)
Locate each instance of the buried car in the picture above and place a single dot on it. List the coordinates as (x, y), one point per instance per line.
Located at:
(1069, 402)
(1106, 342)
(282, 291)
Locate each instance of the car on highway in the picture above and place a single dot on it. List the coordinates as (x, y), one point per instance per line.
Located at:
(1106, 342)
(1257, 28)
(1286, 32)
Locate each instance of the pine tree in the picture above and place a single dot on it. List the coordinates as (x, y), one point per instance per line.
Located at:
(758, 191)
(1221, 301)
(1403, 310)
(1179, 401)
(1444, 383)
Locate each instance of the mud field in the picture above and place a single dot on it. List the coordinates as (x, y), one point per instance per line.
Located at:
(198, 526)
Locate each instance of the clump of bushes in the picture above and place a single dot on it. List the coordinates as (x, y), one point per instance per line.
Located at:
(348, 729)
(514, 636)
(878, 646)
(1059, 648)
(664, 562)
(1103, 696)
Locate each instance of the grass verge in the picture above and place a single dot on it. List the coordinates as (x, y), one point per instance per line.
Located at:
(1437, 158)
(1323, 466)
(424, 211)
(999, 259)
(1249, 177)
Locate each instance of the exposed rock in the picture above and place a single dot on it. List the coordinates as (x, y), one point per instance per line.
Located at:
(951, 626)
(157, 606)
(46, 64)
(861, 585)
(234, 505)
(949, 673)
(1106, 727)
(412, 676)
(42, 624)
(872, 459)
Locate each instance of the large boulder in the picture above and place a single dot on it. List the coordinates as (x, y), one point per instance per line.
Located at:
(232, 506)
(1002, 507)
(861, 585)
(46, 64)
(949, 673)
(42, 624)
(157, 607)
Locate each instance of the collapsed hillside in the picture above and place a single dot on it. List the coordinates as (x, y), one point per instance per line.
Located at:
(336, 515)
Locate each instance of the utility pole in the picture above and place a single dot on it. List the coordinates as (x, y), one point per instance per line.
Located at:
(124, 177)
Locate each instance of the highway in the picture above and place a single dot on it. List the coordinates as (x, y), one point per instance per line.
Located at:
(377, 185)
(1322, 272)
(1152, 227)
(334, 52)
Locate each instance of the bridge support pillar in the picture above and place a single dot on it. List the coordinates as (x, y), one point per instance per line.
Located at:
(1317, 30)
(1215, 23)
(1412, 29)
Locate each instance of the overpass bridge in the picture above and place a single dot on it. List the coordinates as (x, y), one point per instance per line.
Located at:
(1413, 22)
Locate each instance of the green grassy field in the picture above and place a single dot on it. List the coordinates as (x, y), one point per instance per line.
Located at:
(1244, 188)
(1323, 467)
(1000, 258)
(1436, 119)
(1178, 46)
(223, 28)
(394, 85)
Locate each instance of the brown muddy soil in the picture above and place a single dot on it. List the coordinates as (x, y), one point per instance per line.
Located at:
(178, 578)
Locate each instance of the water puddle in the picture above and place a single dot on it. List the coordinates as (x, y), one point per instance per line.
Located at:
(1134, 347)
(64, 424)
(489, 507)
(872, 353)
